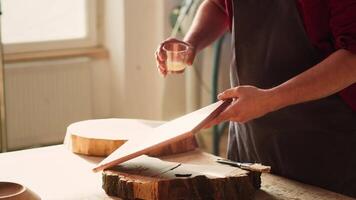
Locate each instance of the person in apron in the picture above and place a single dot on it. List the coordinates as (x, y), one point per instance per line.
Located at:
(285, 113)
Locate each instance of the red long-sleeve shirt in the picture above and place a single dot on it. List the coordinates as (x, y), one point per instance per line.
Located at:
(330, 25)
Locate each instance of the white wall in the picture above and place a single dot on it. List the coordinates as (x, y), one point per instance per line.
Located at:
(44, 97)
(133, 29)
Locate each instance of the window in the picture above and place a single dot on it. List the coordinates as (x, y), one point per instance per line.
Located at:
(38, 25)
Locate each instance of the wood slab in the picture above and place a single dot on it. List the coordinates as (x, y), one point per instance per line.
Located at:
(166, 134)
(150, 178)
(101, 137)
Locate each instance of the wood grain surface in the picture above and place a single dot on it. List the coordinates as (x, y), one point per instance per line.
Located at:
(166, 134)
(55, 173)
(101, 137)
(150, 178)
(15, 191)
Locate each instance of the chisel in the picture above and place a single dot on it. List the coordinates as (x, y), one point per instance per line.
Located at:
(247, 166)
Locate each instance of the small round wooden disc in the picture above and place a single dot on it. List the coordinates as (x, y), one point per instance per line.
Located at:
(101, 137)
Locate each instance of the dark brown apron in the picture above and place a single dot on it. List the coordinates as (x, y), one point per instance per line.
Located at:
(313, 142)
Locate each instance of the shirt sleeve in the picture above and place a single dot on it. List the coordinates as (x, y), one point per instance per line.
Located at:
(221, 2)
(343, 24)
(226, 7)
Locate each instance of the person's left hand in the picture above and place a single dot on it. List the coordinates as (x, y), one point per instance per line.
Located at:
(248, 103)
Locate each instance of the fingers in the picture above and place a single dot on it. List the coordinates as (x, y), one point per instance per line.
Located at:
(230, 93)
(191, 56)
(161, 65)
(216, 121)
(225, 115)
(163, 72)
(161, 56)
(161, 60)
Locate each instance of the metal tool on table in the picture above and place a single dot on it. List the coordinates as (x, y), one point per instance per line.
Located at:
(247, 166)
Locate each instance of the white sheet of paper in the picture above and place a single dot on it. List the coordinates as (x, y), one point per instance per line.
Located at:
(165, 134)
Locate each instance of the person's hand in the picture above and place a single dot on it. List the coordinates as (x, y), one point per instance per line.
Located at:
(248, 103)
(161, 56)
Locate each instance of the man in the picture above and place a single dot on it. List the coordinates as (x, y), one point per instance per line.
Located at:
(293, 83)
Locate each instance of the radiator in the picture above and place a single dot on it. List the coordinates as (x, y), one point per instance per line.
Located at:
(43, 98)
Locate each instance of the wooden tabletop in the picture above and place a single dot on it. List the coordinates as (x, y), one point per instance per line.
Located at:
(56, 173)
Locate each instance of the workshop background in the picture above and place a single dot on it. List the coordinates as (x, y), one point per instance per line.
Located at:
(65, 61)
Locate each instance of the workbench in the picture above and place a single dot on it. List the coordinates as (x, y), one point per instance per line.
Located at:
(56, 173)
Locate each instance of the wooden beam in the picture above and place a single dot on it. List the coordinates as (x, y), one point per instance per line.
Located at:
(3, 136)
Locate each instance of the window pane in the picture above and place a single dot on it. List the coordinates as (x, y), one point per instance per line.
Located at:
(43, 20)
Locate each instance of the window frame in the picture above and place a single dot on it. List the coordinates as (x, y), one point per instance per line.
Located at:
(91, 40)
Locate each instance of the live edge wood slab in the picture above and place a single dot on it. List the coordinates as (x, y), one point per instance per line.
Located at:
(151, 178)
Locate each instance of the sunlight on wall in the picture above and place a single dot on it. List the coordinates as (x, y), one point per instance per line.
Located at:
(43, 20)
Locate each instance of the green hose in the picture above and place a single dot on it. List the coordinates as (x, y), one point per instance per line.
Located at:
(218, 129)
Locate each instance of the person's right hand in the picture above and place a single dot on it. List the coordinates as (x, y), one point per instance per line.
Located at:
(161, 56)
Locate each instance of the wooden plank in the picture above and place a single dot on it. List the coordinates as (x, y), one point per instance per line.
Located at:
(164, 135)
